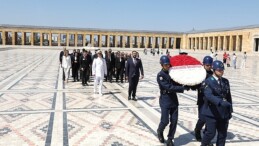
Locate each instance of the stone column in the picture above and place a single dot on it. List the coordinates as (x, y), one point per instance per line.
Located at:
(153, 42)
(146, 41)
(231, 43)
(225, 43)
(200, 43)
(131, 41)
(204, 43)
(13, 38)
(32, 38)
(219, 43)
(92, 39)
(50, 39)
(208, 46)
(191, 43)
(138, 41)
(213, 43)
(196, 43)
(237, 43)
(115, 41)
(108, 41)
(167, 42)
(41, 38)
(174, 43)
(59, 38)
(67, 40)
(76, 39)
(23, 38)
(84, 39)
(3, 38)
(99, 40)
(160, 42)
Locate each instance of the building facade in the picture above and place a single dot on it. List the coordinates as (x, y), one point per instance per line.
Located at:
(232, 39)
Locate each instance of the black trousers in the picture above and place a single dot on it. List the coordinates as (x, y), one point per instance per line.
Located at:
(119, 74)
(109, 74)
(133, 83)
(75, 72)
(85, 76)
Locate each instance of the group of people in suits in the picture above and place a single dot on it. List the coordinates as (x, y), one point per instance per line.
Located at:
(105, 66)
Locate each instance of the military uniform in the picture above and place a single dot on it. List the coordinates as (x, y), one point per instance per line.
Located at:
(217, 109)
(168, 102)
(201, 119)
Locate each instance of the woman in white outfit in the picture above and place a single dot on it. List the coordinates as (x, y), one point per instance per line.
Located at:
(66, 64)
(99, 70)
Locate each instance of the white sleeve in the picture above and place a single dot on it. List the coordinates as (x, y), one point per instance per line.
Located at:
(105, 67)
(69, 62)
(94, 66)
(63, 60)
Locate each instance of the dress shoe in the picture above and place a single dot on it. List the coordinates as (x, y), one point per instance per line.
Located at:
(197, 134)
(160, 136)
(169, 142)
(129, 98)
(134, 99)
(208, 145)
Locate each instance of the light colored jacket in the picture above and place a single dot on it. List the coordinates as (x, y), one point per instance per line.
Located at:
(66, 62)
(99, 68)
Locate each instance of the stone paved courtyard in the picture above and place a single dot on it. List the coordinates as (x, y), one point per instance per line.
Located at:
(37, 108)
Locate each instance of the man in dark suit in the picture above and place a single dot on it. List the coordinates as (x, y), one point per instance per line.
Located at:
(120, 67)
(110, 63)
(133, 69)
(85, 67)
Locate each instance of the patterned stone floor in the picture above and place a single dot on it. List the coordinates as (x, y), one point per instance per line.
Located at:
(37, 108)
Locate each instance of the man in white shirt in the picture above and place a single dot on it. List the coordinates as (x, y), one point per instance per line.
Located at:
(99, 70)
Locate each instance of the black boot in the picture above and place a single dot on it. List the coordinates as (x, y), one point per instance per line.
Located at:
(197, 134)
(160, 136)
(169, 142)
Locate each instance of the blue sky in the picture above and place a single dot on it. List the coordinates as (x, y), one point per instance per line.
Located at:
(164, 15)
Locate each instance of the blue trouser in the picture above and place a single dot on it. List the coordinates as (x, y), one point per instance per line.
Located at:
(201, 119)
(213, 124)
(165, 113)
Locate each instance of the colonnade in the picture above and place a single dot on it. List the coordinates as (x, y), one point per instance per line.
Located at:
(224, 42)
(79, 38)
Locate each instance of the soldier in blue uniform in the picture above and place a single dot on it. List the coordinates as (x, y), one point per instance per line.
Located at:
(217, 107)
(168, 101)
(207, 63)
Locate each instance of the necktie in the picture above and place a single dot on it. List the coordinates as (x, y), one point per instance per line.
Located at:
(220, 83)
(134, 61)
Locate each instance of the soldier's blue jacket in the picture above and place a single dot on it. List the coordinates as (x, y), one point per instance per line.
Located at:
(168, 90)
(200, 89)
(214, 93)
